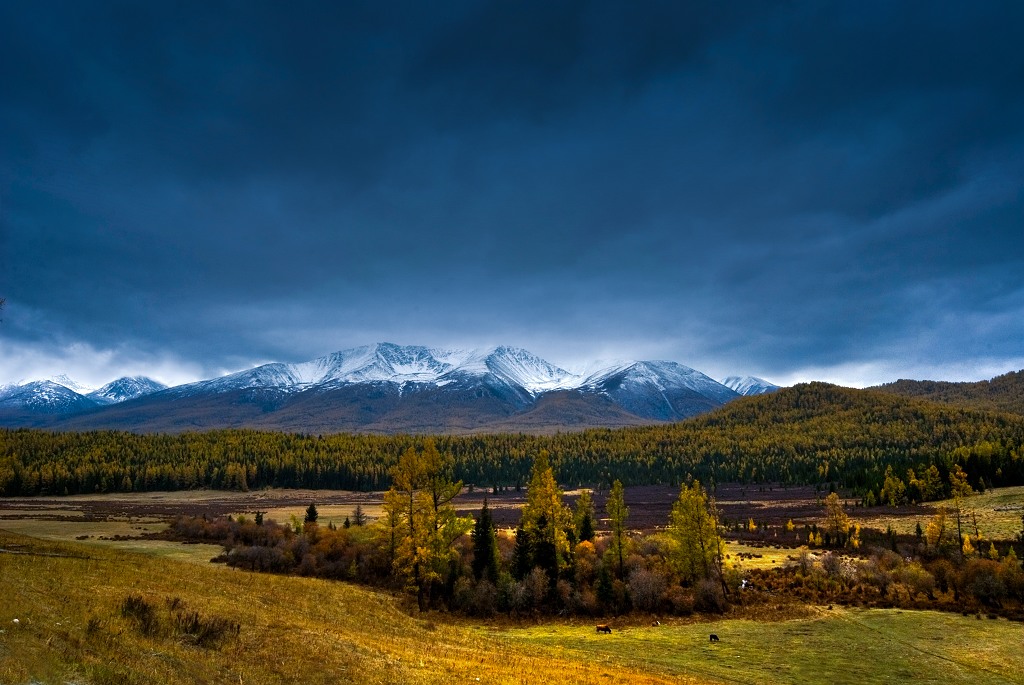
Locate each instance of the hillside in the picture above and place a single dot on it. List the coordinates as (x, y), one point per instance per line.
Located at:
(1002, 393)
(807, 434)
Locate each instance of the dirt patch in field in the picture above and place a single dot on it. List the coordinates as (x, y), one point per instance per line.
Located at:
(649, 506)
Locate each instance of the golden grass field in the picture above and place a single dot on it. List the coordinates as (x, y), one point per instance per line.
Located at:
(300, 630)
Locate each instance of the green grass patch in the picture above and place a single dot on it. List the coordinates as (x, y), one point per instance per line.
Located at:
(841, 646)
(998, 513)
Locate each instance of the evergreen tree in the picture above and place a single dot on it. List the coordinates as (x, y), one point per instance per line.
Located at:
(583, 519)
(522, 554)
(485, 547)
(358, 517)
(311, 514)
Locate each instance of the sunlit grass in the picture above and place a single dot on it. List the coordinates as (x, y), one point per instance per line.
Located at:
(998, 512)
(840, 646)
(293, 630)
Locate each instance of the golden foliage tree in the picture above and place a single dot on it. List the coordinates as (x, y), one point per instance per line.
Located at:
(693, 528)
(617, 512)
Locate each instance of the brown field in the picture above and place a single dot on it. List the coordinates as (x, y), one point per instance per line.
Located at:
(108, 515)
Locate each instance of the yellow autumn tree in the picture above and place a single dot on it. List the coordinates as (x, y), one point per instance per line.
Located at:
(694, 528)
(545, 518)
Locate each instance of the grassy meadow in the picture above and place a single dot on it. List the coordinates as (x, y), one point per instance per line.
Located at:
(841, 646)
(68, 597)
(66, 571)
(998, 513)
(70, 628)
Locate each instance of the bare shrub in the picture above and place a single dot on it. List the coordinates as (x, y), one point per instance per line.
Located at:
(646, 588)
(708, 597)
(485, 599)
(536, 587)
(832, 564)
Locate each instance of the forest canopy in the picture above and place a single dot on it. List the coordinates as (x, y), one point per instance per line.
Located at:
(809, 434)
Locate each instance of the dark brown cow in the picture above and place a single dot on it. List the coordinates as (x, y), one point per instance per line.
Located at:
(604, 628)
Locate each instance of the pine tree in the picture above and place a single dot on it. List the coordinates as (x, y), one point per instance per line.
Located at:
(583, 519)
(522, 554)
(358, 517)
(311, 514)
(485, 547)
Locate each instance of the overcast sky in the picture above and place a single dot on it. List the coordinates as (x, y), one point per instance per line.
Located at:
(796, 190)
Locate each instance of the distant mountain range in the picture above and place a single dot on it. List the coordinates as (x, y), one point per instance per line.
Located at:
(387, 388)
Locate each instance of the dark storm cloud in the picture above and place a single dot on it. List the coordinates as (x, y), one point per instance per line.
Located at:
(737, 186)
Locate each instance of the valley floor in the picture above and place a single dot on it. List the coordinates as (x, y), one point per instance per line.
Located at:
(68, 565)
(62, 621)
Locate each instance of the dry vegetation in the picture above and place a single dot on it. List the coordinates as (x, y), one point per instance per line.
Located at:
(114, 608)
(73, 627)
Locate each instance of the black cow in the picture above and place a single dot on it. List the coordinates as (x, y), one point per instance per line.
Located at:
(714, 638)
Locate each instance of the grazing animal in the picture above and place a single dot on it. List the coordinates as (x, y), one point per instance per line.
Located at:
(604, 628)
(656, 624)
(714, 638)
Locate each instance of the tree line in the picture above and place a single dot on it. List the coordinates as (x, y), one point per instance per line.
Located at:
(556, 563)
(809, 434)
(553, 562)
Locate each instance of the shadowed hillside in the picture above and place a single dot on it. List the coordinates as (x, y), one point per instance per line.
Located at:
(1002, 393)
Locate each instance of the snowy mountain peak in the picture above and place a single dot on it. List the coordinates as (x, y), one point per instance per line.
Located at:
(749, 385)
(504, 380)
(71, 384)
(45, 397)
(126, 388)
(661, 376)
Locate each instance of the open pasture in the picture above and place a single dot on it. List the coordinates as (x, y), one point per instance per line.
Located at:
(853, 646)
(997, 512)
(62, 620)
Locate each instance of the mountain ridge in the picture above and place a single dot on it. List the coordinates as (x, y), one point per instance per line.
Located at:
(387, 388)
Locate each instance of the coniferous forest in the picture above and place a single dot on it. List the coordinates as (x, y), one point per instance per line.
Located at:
(808, 434)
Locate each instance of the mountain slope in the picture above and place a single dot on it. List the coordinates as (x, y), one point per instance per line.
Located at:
(665, 391)
(126, 388)
(388, 388)
(1002, 393)
(43, 397)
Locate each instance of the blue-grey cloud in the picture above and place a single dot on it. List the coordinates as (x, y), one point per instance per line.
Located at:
(744, 188)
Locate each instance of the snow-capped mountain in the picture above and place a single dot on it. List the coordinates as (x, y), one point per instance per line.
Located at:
(71, 384)
(390, 363)
(749, 385)
(43, 397)
(126, 388)
(660, 389)
(387, 388)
